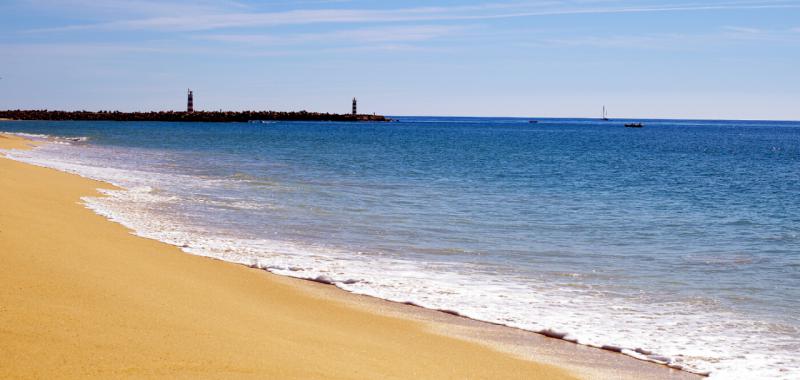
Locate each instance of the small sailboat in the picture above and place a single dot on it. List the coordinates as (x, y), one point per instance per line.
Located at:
(605, 115)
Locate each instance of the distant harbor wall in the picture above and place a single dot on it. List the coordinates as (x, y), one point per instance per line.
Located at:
(197, 116)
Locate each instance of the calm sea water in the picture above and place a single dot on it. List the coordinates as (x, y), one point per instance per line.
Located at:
(681, 239)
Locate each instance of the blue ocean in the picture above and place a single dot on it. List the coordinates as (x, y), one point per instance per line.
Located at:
(677, 243)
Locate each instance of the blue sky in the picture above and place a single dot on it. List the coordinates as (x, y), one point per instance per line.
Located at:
(734, 59)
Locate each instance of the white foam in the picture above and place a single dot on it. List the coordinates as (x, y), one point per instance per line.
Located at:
(32, 136)
(689, 336)
(49, 138)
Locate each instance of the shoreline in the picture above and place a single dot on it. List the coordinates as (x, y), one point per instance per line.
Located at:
(476, 340)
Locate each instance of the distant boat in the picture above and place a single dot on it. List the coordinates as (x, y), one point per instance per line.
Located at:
(605, 115)
(533, 121)
(634, 125)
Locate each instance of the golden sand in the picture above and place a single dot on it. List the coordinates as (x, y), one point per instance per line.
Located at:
(81, 297)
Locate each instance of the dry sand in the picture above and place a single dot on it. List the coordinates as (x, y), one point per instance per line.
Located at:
(81, 297)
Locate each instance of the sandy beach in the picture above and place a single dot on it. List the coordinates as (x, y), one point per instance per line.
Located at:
(82, 297)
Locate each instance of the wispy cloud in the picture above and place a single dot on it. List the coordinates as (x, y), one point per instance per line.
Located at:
(743, 30)
(655, 41)
(760, 34)
(391, 34)
(234, 17)
(141, 7)
(78, 49)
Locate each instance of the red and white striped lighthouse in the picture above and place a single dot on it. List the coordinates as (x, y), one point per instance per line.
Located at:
(190, 103)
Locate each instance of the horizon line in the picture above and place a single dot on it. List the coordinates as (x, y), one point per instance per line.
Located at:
(393, 116)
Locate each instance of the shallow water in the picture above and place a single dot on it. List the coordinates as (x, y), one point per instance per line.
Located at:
(681, 239)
